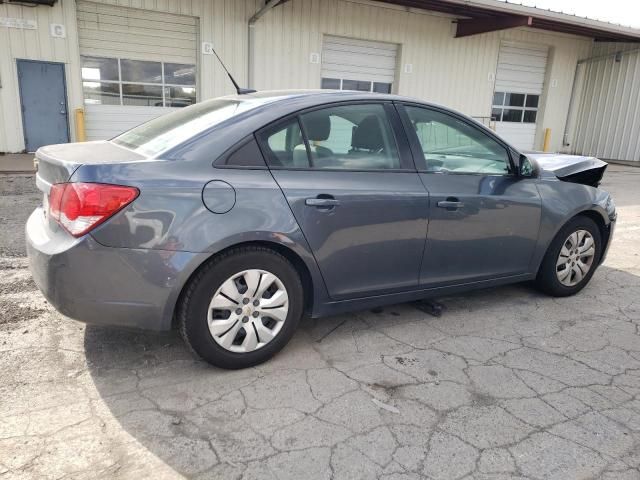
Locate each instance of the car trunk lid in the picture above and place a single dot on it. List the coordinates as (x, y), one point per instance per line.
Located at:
(57, 164)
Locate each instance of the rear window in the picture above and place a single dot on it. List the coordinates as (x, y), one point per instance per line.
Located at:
(168, 131)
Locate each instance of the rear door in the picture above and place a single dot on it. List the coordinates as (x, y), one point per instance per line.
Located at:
(483, 219)
(347, 174)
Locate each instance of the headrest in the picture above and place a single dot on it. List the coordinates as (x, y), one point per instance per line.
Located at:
(317, 126)
(368, 134)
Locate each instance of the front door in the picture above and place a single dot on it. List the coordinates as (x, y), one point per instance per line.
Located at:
(483, 220)
(355, 195)
(43, 98)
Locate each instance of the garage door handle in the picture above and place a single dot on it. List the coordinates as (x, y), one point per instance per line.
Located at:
(450, 204)
(322, 202)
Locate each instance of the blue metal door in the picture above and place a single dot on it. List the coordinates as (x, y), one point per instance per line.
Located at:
(43, 98)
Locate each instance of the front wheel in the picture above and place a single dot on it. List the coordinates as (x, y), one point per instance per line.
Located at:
(241, 308)
(571, 259)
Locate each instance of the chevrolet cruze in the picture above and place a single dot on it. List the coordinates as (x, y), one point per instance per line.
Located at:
(231, 219)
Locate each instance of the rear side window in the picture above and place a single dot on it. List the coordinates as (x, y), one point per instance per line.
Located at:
(348, 137)
(167, 131)
(247, 155)
(285, 146)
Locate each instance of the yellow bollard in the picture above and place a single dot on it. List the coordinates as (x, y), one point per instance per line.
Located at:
(547, 139)
(81, 135)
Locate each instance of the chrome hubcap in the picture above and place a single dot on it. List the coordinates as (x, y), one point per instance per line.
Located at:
(576, 258)
(248, 311)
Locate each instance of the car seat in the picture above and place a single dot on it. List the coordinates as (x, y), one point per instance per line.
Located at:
(367, 137)
(317, 126)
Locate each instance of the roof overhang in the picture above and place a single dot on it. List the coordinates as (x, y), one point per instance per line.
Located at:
(481, 16)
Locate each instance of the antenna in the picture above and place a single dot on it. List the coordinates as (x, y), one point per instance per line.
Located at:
(239, 90)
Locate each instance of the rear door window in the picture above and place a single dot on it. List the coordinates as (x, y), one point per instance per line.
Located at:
(346, 137)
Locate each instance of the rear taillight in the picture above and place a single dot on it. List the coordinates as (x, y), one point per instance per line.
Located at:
(80, 207)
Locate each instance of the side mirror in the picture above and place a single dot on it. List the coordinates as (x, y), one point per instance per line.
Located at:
(524, 167)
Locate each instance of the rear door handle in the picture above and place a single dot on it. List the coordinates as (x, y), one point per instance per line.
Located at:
(322, 202)
(451, 204)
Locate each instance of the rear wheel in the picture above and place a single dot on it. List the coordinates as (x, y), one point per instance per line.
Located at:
(241, 308)
(571, 259)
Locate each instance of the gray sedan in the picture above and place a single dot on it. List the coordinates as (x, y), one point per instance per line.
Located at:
(231, 219)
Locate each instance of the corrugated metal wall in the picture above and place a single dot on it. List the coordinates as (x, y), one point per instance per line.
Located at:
(455, 72)
(608, 119)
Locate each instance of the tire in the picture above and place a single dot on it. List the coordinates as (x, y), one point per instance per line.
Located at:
(554, 267)
(203, 326)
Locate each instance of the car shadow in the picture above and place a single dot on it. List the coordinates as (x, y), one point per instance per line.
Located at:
(199, 419)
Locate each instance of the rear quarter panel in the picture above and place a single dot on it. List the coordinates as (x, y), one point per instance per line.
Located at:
(170, 215)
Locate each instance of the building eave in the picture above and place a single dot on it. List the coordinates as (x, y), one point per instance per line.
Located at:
(481, 16)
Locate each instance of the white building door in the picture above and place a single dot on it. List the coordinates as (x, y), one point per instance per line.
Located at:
(136, 65)
(518, 88)
(350, 64)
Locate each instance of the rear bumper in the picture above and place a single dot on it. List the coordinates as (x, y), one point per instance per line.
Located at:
(89, 282)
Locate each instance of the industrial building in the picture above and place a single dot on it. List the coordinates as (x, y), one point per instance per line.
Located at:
(76, 69)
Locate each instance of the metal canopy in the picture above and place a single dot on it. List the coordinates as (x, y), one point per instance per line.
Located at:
(481, 16)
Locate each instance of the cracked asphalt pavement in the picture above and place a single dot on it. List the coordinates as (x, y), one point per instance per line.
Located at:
(507, 383)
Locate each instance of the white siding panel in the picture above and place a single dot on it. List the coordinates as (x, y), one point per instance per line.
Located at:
(521, 68)
(113, 31)
(355, 59)
(521, 135)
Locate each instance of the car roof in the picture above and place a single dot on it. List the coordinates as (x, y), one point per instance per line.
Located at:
(321, 96)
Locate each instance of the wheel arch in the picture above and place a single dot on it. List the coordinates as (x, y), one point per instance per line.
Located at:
(601, 219)
(293, 257)
(598, 216)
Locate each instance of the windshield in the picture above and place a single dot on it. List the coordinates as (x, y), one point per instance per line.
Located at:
(167, 131)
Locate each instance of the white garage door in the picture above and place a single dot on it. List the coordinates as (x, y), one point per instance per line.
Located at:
(350, 64)
(136, 65)
(519, 85)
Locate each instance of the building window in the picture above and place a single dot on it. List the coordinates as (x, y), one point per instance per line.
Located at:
(360, 85)
(115, 81)
(514, 107)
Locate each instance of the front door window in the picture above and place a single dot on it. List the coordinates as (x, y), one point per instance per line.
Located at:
(450, 145)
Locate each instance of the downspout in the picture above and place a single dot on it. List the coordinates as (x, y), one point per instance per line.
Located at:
(572, 100)
(251, 40)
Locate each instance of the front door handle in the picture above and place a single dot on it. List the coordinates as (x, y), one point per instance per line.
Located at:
(451, 203)
(322, 202)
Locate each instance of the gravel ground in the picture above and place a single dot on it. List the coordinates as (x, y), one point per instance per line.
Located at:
(506, 384)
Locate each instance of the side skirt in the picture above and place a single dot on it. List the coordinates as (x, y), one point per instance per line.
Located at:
(364, 303)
